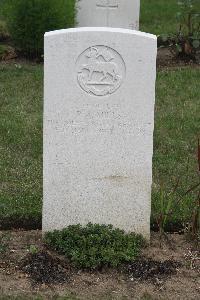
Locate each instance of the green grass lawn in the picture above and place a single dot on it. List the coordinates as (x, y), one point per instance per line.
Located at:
(20, 142)
(176, 130)
(158, 16)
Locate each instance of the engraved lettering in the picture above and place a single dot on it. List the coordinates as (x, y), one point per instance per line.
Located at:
(107, 5)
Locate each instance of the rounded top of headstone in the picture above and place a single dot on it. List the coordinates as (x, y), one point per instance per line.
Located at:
(101, 29)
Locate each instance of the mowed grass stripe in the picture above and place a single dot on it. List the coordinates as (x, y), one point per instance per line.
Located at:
(20, 142)
(159, 16)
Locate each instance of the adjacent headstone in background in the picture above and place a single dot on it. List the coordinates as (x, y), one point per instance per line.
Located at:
(108, 13)
(98, 128)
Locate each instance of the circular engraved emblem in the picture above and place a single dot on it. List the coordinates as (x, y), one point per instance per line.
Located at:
(100, 70)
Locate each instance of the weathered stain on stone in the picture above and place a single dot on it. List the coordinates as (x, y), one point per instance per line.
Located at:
(114, 178)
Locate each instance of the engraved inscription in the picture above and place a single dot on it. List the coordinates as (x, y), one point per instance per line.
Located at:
(134, 26)
(100, 70)
(107, 5)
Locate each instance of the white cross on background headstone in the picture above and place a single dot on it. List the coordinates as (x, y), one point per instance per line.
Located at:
(108, 5)
(108, 13)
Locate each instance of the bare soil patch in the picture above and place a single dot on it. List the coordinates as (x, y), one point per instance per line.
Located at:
(170, 272)
(44, 268)
(165, 59)
(147, 269)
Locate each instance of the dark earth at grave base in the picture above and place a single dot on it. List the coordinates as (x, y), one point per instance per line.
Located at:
(170, 272)
(165, 59)
(43, 268)
(151, 269)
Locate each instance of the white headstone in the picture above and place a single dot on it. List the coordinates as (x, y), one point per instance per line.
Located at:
(108, 13)
(98, 128)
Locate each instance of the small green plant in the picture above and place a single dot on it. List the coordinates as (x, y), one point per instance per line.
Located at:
(94, 245)
(3, 49)
(165, 207)
(29, 20)
(4, 239)
(33, 249)
(195, 189)
(187, 41)
(7, 52)
(4, 34)
(166, 202)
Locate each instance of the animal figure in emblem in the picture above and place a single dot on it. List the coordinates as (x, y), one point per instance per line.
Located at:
(106, 67)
